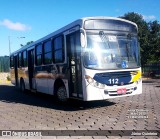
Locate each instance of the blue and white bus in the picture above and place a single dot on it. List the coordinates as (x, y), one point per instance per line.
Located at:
(93, 58)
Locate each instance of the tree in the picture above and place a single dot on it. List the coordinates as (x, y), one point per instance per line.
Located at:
(154, 41)
(27, 43)
(149, 37)
(142, 33)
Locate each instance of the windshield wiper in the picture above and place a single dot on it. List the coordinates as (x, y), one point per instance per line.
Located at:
(127, 50)
(127, 45)
(104, 38)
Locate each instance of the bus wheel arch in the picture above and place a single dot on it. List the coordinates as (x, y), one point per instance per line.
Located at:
(60, 90)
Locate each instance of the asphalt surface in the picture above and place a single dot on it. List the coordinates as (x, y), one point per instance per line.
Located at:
(114, 118)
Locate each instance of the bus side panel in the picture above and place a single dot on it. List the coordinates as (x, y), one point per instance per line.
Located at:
(23, 74)
(42, 85)
(50, 83)
(45, 77)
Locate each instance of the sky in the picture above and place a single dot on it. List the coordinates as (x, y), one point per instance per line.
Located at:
(22, 21)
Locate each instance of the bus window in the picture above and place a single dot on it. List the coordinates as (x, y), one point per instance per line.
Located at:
(20, 60)
(24, 59)
(58, 50)
(39, 54)
(47, 52)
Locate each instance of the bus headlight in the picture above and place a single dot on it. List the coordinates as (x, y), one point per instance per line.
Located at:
(94, 83)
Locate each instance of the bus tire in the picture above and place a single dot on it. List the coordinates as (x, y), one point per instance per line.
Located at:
(22, 86)
(62, 94)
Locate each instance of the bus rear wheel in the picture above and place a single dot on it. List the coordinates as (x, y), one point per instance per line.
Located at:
(62, 94)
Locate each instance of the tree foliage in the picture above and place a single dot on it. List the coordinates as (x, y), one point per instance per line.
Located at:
(149, 37)
(154, 41)
(27, 43)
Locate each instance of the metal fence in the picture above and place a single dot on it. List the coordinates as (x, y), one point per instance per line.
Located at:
(151, 70)
(4, 63)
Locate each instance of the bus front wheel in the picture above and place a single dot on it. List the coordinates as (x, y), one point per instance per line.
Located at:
(62, 94)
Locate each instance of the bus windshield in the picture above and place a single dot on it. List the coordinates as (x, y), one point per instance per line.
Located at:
(106, 51)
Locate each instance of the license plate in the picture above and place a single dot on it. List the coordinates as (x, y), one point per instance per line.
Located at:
(121, 91)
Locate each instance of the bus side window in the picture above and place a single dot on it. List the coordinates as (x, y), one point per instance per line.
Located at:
(48, 52)
(24, 59)
(58, 50)
(20, 59)
(39, 54)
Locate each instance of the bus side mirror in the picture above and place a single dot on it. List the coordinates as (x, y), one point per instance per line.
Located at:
(82, 37)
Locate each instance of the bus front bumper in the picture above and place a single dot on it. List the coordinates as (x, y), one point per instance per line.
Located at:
(93, 93)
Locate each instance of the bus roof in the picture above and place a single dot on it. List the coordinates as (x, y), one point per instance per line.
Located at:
(78, 22)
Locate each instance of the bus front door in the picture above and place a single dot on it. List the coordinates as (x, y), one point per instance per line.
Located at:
(74, 62)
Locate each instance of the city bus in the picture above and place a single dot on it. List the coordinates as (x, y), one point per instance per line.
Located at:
(92, 58)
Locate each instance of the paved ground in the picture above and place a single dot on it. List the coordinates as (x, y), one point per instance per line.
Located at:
(31, 111)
